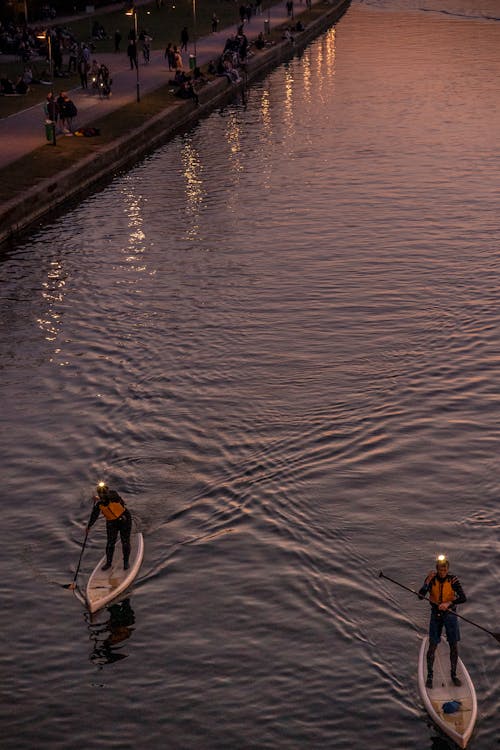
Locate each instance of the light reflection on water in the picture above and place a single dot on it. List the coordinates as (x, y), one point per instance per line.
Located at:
(280, 339)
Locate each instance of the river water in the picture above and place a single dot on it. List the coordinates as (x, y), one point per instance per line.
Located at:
(279, 338)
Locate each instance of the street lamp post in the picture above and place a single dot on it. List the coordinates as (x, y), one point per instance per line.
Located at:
(267, 21)
(195, 29)
(133, 12)
(48, 38)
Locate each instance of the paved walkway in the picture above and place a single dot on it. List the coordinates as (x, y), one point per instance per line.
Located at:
(22, 133)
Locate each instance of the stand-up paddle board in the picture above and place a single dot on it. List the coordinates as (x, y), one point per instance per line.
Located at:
(105, 585)
(453, 709)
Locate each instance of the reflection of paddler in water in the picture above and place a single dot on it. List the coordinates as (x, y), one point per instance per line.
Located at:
(116, 630)
(118, 519)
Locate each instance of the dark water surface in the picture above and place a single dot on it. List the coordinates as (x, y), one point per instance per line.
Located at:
(279, 339)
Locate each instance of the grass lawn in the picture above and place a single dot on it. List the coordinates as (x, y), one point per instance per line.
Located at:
(163, 24)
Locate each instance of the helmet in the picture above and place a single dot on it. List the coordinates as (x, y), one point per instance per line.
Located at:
(442, 560)
(102, 489)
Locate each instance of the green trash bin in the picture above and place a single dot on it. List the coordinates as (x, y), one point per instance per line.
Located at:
(49, 130)
(192, 62)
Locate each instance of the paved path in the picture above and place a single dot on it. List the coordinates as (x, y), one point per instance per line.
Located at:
(22, 133)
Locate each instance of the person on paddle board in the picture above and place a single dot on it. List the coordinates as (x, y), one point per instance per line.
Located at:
(445, 592)
(118, 520)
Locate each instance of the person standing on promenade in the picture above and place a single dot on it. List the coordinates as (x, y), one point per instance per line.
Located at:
(118, 39)
(70, 111)
(169, 56)
(146, 48)
(73, 57)
(184, 38)
(51, 109)
(178, 64)
(215, 23)
(86, 54)
(83, 71)
(60, 110)
(132, 53)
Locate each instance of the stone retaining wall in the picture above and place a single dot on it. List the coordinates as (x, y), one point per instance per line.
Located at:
(49, 197)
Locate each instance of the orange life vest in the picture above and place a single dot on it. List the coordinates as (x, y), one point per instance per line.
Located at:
(112, 510)
(442, 591)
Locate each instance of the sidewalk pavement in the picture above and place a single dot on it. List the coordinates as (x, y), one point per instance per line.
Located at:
(23, 132)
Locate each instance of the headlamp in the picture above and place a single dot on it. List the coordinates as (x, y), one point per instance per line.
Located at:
(442, 560)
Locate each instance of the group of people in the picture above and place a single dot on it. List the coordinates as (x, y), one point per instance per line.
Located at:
(144, 38)
(96, 77)
(21, 39)
(234, 56)
(60, 111)
(441, 587)
(100, 79)
(93, 73)
(236, 47)
(229, 64)
(18, 87)
(173, 56)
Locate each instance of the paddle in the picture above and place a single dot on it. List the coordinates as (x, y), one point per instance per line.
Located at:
(72, 585)
(412, 591)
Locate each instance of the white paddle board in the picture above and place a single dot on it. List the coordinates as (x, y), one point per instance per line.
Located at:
(459, 724)
(105, 585)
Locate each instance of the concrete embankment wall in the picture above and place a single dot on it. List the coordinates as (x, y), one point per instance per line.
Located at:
(49, 197)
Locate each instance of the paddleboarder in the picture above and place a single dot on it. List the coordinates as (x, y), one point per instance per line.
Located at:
(118, 520)
(445, 592)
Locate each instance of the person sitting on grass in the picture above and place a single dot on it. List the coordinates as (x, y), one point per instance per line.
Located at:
(21, 87)
(260, 42)
(179, 78)
(198, 78)
(6, 86)
(27, 76)
(231, 72)
(186, 91)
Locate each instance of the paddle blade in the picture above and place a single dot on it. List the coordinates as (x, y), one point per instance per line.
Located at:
(497, 636)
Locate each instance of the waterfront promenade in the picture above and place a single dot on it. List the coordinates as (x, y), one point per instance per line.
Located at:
(23, 132)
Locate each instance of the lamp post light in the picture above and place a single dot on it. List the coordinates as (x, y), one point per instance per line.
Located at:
(132, 11)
